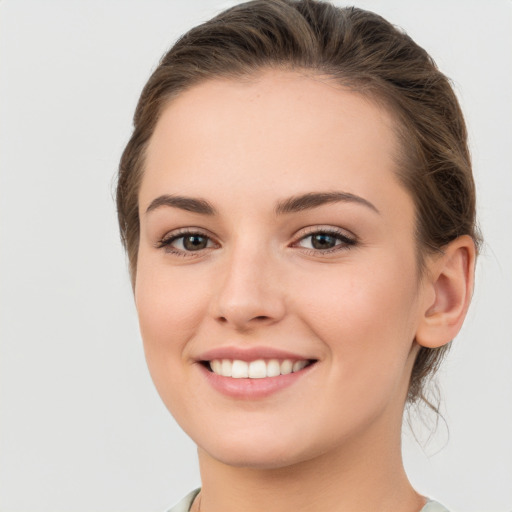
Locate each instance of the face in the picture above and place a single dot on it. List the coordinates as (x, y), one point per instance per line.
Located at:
(276, 287)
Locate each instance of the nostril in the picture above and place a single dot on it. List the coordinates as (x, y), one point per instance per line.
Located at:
(260, 318)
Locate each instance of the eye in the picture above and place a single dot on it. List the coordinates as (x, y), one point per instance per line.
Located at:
(185, 242)
(325, 241)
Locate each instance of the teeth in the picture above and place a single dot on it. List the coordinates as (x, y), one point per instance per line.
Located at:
(298, 365)
(216, 366)
(286, 367)
(258, 369)
(226, 368)
(273, 368)
(239, 370)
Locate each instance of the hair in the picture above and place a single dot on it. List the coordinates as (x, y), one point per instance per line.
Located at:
(361, 51)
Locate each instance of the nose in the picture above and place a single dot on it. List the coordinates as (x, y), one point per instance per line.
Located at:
(249, 291)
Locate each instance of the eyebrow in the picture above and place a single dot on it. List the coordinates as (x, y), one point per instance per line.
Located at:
(188, 204)
(290, 205)
(316, 199)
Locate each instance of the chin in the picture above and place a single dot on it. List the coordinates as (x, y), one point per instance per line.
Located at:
(253, 457)
(260, 448)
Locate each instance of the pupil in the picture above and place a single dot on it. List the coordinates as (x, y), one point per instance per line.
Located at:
(195, 242)
(323, 241)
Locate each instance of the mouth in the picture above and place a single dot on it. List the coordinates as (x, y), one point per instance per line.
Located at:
(254, 373)
(256, 369)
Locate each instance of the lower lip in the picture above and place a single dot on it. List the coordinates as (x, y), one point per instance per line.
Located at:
(252, 389)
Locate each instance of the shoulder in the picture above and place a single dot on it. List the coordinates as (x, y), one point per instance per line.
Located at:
(433, 506)
(185, 504)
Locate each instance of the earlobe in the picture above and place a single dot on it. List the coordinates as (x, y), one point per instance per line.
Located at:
(450, 287)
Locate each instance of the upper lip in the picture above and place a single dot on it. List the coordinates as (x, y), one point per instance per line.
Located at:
(249, 354)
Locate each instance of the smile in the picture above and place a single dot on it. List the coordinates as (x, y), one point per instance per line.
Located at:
(253, 373)
(257, 369)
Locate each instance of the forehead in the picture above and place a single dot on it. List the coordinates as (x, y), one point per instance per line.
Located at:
(277, 129)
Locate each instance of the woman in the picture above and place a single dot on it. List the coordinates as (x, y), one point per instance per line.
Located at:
(298, 209)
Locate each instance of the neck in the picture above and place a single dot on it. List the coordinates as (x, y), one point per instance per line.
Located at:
(367, 475)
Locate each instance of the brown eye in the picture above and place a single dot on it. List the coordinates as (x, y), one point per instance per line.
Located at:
(194, 242)
(186, 243)
(323, 241)
(326, 241)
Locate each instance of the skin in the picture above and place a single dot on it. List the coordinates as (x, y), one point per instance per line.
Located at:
(331, 441)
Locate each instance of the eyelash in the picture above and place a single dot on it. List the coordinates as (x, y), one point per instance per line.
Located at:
(166, 242)
(345, 242)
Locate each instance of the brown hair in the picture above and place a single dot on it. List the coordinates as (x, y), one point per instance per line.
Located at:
(359, 50)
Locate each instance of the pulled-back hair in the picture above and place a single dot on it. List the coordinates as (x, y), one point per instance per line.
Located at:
(358, 50)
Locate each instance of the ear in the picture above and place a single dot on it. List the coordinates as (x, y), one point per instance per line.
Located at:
(449, 287)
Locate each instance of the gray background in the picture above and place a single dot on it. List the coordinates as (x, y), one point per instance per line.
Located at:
(81, 427)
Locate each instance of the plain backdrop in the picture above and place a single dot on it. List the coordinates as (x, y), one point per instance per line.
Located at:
(81, 427)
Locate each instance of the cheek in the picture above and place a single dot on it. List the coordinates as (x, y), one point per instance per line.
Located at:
(366, 316)
(170, 305)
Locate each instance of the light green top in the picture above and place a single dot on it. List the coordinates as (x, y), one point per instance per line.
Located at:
(185, 504)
